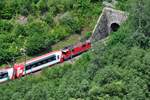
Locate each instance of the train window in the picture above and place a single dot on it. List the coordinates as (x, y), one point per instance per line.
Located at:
(49, 60)
(72, 50)
(28, 67)
(52, 58)
(34, 65)
(58, 57)
(84, 45)
(45, 61)
(3, 75)
(65, 52)
(41, 62)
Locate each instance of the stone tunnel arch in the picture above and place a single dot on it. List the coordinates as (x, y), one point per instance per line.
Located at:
(114, 27)
(109, 21)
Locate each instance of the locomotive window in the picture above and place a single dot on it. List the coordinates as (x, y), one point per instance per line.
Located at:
(3, 75)
(83, 45)
(65, 52)
(41, 62)
(72, 50)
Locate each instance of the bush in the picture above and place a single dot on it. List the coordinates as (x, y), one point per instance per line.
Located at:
(42, 6)
(42, 16)
(5, 26)
(70, 21)
(37, 43)
(59, 33)
(36, 36)
(48, 18)
(37, 27)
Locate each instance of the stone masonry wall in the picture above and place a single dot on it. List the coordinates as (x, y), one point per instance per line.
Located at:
(106, 19)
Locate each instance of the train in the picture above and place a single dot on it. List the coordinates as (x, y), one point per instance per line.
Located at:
(22, 69)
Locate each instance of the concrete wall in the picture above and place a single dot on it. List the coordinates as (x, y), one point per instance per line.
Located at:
(106, 19)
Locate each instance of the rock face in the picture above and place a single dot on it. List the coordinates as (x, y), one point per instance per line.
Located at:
(109, 21)
(22, 20)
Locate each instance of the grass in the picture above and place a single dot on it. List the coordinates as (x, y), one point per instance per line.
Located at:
(68, 41)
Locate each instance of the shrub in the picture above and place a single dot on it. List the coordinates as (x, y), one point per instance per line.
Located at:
(70, 21)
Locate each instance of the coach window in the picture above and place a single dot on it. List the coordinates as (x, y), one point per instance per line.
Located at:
(57, 56)
(52, 58)
(35, 65)
(3, 75)
(44, 61)
(28, 67)
(39, 64)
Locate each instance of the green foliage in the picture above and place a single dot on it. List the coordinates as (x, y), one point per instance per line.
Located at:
(35, 25)
(123, 4)
(5, 26)
(36, 43)
(140, 12)
(124, 75)
(42, 5)
(116, 69)
(71, 22)
(49, 19)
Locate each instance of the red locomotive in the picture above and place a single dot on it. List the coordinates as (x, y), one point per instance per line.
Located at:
(38, 63)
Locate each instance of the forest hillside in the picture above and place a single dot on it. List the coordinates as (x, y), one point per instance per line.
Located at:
(35, 25)
(115, 69)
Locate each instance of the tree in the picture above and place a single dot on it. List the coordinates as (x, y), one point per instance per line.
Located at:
(48, 18)
(71, 21)
(38, 37)
(37, 92)
(42, 6)
(60, 32)
(5, 26)
(140, 19)
(37, 43)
